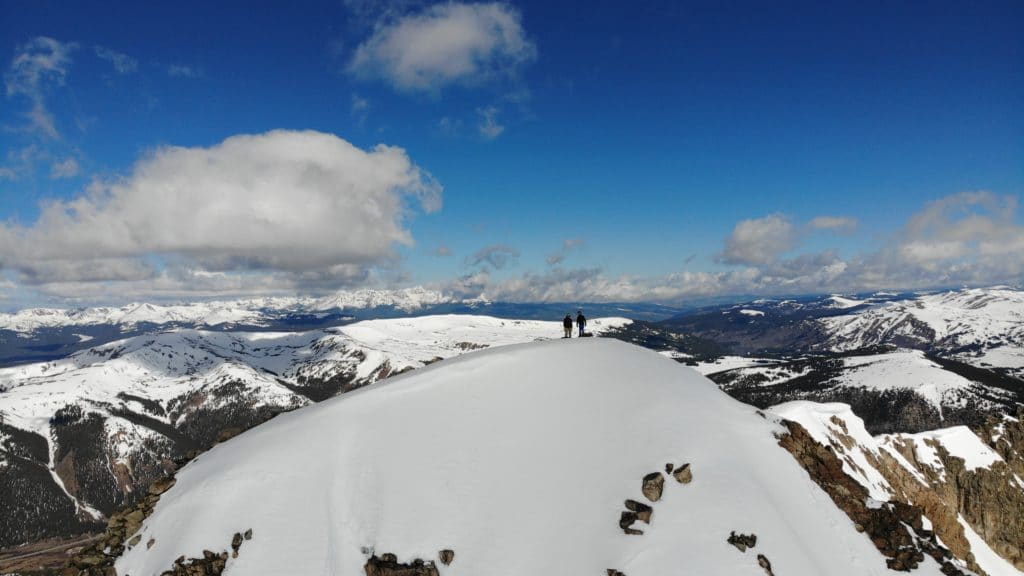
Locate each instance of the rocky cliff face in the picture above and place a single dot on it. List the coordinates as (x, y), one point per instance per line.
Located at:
(896, 528)
(956, 480)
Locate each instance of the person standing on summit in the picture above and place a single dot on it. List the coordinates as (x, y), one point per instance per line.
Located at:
(581, 322)
(567, 324)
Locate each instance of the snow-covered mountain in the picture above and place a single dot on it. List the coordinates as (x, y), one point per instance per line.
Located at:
(562, 457)
(891, 389)
(984, 327)
(906, 363)
(83, 435)
(250, 312)
(40, 334)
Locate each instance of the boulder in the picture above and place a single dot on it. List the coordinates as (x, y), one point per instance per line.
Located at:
(446, 556)
(683, 474)
(643, 511)
(653, 485)
(742, 541)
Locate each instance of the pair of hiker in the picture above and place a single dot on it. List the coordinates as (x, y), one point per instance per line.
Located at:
(581, 323)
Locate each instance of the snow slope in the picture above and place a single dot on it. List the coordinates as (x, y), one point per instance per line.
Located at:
(985, 324)
(518, 459)
(874, 378)
(169, 365)
(906, 369)
(154, 397)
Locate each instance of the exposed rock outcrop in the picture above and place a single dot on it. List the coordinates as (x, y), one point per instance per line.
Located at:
(98, 559)
(989, 499)
(895, 528)
(388, 565)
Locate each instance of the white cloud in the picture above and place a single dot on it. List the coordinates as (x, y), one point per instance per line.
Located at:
(122, 63)
(488, 126)
(442, 251)
(39, 65)
(184, 71)
(20, 162)
(568, 245)
(446, 44)
(66, 168)
(99, 246)
(497, 256)
(759, 240)
(839, 224)
(306, 206)
(972, 238)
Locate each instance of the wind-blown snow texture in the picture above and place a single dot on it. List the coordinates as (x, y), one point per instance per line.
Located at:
(519, 459)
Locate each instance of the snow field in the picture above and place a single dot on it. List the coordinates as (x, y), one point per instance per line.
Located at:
(519, 459)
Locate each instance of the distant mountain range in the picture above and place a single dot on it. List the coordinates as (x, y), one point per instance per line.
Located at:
(39, 334)
(123, 396)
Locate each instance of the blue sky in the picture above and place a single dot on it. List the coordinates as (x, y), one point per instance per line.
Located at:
(537, 150)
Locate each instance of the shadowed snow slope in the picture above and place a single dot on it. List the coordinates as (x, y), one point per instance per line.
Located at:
(519, 459)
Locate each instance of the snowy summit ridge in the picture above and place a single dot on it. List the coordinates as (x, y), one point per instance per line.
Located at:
(519, 460)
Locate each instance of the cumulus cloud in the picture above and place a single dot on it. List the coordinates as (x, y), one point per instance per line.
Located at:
(972, 238)
(453, 43)
(839, 224)
(497, 256)
(759, 240)
(38, 66)
(122, 63)
(306, 206)
(594, 285)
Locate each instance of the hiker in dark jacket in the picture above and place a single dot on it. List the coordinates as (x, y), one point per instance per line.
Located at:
(567, 324)
(581, 322)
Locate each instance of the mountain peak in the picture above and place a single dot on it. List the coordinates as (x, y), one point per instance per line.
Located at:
(525, 459)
